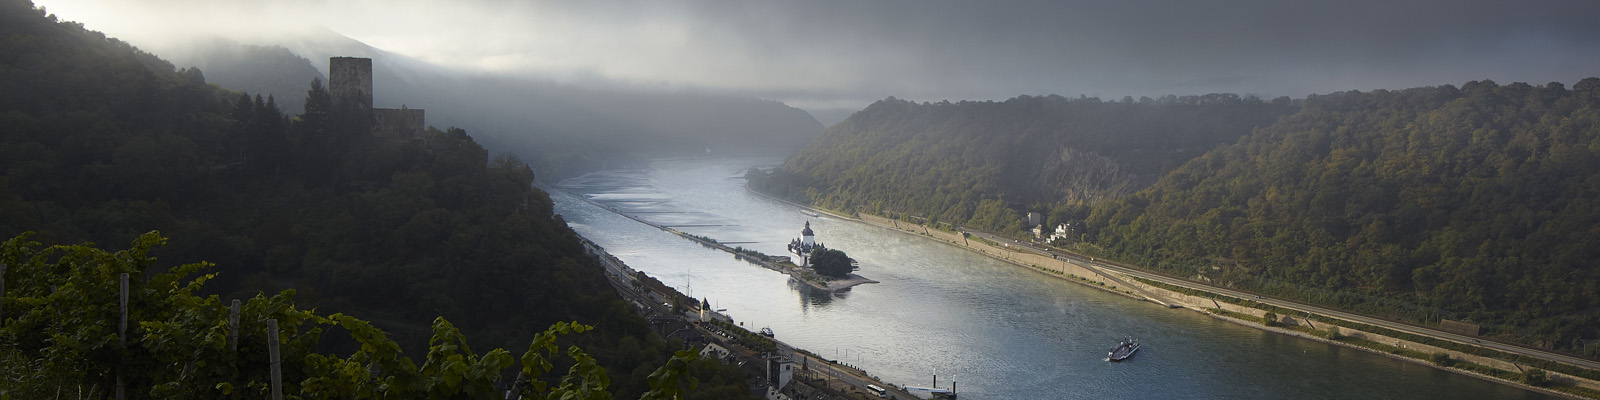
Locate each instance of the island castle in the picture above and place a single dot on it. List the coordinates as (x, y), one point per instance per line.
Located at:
(806, 244)
(350, 85)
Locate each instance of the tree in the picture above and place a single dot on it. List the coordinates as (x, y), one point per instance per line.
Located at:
(1535, 377)
(831, 262)
(1441, 359)
(1588, 90)
(1269, 319)
(265, 142)
(193, 76)
(315, 129)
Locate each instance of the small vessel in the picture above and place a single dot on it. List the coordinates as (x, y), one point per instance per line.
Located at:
(1123, 350)
(766, 332)
(930, 393)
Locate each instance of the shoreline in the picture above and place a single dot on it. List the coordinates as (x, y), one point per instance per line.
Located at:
(1085, 281)
(1303, 335)
(618, 273)
(1102, 285)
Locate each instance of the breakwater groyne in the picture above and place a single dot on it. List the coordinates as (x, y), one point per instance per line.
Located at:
(802, 274)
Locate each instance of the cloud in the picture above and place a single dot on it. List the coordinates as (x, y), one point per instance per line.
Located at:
(853, 52)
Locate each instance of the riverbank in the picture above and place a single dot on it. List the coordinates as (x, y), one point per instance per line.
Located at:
(751, 348)
(1099, 276)
(1399, 357)
(1416, 347)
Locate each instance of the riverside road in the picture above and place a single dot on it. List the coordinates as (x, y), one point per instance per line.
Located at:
(1395, 325)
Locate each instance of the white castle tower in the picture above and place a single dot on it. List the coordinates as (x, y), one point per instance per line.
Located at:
(802, 247)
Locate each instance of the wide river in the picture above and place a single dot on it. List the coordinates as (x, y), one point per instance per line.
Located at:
(997, 330)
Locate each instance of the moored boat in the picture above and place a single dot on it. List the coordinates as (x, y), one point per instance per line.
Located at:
(930, 393)
(1124, 349)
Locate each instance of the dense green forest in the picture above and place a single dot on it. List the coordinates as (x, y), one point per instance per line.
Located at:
(1474, 203)
(101, 142)
(974, 163)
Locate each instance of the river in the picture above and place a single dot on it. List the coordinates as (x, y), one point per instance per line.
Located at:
(998, 331)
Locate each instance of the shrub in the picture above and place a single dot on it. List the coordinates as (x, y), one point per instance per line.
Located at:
(1535, 377)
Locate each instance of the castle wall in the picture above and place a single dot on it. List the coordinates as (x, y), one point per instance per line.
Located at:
(402, 123)
(350, 83)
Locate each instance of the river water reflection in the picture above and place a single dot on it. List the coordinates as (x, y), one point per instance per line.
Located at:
(997, 330)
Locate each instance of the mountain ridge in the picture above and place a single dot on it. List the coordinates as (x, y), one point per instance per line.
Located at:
(561, 129)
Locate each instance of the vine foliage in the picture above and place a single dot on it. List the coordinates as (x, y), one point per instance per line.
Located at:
(60, 337)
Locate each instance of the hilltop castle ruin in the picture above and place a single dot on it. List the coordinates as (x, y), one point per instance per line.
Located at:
(350, 85)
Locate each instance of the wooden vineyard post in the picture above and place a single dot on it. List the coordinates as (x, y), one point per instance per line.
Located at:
(2, 292)
(272, 358)
(122, 328)
(233, 326)
(512, 393)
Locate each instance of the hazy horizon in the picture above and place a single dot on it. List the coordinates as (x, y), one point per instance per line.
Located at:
(824, 56)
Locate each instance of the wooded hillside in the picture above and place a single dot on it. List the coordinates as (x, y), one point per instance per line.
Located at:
(1475, 203)
(102, 142)
(977, 162)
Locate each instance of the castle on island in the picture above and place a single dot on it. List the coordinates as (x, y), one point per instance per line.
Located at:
(350, 85)
(805, 245)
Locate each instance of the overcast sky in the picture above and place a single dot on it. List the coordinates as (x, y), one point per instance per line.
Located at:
(823, 54)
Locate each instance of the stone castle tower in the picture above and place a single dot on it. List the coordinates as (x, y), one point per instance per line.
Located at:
(350, 81)
(350, 84)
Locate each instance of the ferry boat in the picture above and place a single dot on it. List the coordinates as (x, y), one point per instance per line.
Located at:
(1123, 350)
(930, 393)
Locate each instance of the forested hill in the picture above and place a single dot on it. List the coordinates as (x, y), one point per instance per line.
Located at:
(1476, 203)
(264, 70)
(560, 129)
(975, 162)
(1479, 203)
(102, 142)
